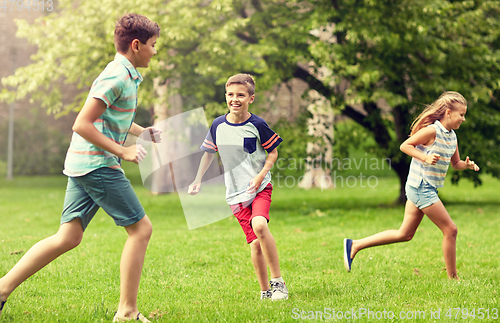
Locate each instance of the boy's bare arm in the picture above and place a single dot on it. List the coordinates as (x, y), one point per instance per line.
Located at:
(205, 162)
(257, 180)
(84, 126)
(135, 129)
(270, 160)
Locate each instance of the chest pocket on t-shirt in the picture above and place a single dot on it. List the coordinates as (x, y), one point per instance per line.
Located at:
(250, 145)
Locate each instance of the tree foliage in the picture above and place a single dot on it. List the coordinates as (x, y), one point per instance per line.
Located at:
(404, 53)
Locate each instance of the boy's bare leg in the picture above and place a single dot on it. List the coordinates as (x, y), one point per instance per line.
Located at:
(131, 265)
(413, 217)
(268, 245)
(41, 254)
(438, 214)
(259, 263)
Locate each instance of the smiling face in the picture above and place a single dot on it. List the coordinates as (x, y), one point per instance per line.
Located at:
(238, 99)
(456, 116)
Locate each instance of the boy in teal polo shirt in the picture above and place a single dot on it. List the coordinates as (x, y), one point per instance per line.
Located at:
(95, 177)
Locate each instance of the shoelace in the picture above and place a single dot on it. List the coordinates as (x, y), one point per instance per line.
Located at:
(276, 286)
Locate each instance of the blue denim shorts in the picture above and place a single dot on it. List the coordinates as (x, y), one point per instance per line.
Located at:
(423, 196)
(104, 187)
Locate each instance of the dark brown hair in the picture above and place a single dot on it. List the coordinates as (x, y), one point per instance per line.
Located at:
(133, 26)
(245, 79)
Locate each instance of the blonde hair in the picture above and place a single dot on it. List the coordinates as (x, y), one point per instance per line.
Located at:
(435, 111)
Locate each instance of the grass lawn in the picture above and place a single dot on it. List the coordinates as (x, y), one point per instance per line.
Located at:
(205, 275)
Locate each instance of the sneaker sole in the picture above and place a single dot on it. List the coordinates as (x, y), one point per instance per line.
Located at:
(346, 260)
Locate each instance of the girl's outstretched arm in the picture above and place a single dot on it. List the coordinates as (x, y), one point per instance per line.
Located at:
(459, 164)
(425, 136)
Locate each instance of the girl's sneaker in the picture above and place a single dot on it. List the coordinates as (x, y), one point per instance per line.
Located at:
(347, 254)
(268, 294)
(2, 303)
(279, 291)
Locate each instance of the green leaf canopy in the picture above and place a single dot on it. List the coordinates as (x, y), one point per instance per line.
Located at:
(403, 54)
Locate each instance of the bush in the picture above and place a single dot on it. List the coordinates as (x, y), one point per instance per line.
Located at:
(38, 149)
(292, 153)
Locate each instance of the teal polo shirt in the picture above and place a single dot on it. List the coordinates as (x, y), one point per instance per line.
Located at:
(117, 87)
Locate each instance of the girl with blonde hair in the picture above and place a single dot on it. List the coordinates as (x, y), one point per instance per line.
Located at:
(433, 146)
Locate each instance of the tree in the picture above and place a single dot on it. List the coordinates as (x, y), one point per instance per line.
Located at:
(404, 53)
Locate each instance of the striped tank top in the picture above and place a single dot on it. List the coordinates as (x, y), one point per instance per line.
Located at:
(445, 146)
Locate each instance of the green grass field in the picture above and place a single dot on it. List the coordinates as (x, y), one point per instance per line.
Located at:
(205, 275)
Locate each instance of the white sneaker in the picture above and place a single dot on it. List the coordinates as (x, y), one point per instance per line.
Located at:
(268, 294)
(279, 291)
(139, 318)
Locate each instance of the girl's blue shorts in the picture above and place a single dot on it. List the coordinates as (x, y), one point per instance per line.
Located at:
(423, 196)
(104, 187)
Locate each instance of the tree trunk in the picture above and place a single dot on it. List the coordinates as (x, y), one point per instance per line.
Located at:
(373, 122)
(319, 149)
(402, 126)
(163, 180)
(401, 168)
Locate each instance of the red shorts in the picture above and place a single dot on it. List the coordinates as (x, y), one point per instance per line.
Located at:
(258, 207)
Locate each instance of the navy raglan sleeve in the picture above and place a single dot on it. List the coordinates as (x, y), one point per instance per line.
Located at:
(268, 138)
(210, 143)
